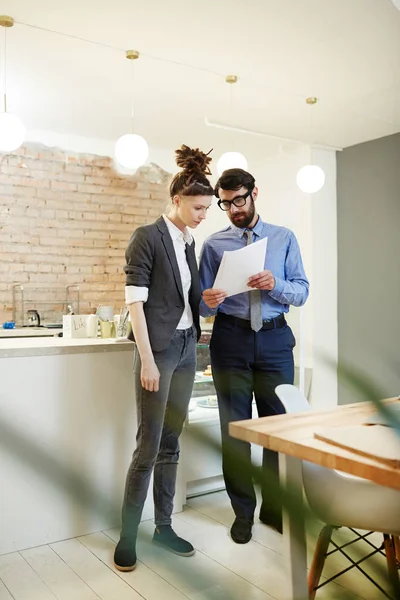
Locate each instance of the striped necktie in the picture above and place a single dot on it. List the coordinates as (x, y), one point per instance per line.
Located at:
(255, 297)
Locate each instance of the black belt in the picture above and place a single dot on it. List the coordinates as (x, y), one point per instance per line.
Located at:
(276, 323)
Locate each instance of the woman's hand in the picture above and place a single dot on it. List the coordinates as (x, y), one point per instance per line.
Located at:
(150, 375)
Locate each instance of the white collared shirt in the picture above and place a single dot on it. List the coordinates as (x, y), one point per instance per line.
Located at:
(179, 239)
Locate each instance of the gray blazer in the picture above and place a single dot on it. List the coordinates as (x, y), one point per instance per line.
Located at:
(151, 262)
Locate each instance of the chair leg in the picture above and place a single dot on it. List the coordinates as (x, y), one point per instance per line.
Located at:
(397, 547)
(390, 552)
(317, 565)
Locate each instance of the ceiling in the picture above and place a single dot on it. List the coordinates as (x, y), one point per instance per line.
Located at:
(345, 52)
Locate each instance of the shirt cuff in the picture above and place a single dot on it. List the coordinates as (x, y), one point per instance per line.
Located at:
(278, 289)
(205, 311)
(134, 294)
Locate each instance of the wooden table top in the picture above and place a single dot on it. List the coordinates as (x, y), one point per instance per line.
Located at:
(293, 434)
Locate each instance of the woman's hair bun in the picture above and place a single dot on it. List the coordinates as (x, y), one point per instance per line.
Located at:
(193, 160)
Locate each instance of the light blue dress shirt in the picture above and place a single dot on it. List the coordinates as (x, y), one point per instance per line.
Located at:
(283, 259)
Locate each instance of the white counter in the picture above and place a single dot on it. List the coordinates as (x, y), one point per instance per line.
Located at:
(67, 420)
(45, 346)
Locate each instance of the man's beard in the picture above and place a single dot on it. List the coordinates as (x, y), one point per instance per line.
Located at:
(246, 218)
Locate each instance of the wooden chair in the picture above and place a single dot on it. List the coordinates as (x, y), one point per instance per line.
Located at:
(342, 500)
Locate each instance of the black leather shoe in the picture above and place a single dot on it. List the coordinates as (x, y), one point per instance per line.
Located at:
(271, 520)
(125, 555)
(165, 536)
(241, 530)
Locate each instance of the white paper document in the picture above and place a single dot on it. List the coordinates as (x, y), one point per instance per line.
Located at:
(237, 266)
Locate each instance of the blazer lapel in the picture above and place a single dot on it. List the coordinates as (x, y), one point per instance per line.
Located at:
(169, 248)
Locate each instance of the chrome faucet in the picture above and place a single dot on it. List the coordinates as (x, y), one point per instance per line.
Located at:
(67, 301)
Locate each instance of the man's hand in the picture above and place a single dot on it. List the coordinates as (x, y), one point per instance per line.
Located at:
(213, 298)
(150, 375)
(262, 281)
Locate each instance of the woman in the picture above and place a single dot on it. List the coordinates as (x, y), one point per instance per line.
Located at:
(163, 295)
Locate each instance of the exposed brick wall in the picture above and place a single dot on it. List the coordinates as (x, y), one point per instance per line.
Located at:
(66, 219)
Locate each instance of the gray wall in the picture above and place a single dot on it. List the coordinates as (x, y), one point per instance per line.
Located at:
(368, 187)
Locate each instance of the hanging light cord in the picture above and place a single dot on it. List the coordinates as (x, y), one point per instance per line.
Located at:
(5, 71)
(188, 66)
(101, 44)
(310, 129)
(231, 111)
(133, 96)
(150, 56)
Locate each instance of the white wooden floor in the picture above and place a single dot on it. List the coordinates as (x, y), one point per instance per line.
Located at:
(81, 569)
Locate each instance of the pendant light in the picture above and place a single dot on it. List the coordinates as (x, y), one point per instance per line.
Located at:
(310, 178)
(131, 149)
(12, 130)
(231, 160)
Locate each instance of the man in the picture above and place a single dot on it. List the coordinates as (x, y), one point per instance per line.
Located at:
(251, 345)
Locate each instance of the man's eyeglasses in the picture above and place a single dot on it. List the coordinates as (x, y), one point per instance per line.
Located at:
(238, 201)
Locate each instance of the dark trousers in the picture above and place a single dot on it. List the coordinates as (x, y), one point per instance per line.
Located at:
(160, 418)
(246, 363)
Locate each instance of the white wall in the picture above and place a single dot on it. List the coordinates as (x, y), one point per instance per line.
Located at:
(324, 275)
